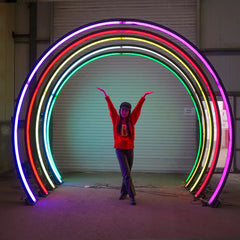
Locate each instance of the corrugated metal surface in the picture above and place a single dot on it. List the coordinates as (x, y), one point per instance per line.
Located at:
(82, 128)
(178, 15)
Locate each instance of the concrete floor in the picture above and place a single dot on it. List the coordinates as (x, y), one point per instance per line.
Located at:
(86, 207)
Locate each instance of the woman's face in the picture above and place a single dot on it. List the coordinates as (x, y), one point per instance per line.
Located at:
(124, 112)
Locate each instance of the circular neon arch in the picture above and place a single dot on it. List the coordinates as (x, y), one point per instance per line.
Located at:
(97, 34)
(98, 51)
(79, 64)
(128, 27)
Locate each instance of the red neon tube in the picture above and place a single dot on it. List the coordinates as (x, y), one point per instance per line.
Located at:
(214, 161)
(38, 179)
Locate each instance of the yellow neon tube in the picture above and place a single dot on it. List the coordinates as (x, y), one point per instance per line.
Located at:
(134, 39)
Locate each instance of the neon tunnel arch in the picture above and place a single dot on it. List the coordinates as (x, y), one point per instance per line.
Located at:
(101, 33)
(127, 38)
(209, 151)
(133, 24)
(65, 61)
(62, 81)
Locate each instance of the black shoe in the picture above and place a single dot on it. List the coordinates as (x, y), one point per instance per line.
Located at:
(123, 196)
(132, 201)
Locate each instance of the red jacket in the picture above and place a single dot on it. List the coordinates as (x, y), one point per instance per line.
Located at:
(124, 142)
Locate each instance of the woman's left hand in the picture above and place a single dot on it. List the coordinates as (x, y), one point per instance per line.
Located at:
(146, 93)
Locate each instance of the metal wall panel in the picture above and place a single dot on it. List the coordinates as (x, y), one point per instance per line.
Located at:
(178, 15)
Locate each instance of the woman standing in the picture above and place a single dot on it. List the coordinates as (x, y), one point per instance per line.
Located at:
(124, 135)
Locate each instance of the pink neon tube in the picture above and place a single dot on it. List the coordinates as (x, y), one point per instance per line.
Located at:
(222, 92)
(217, 148)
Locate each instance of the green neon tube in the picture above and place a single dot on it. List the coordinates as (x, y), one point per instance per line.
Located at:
(37, 121)
(198, 161)
(200, 154)
(111, 54)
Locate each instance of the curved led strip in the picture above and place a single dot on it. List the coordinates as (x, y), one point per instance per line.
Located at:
(70, 68)
(215, 110)
(45, 130)
(30, 109)
(40, 157)
(225, 101)
(199, 156)
(117, 31)
(198, 161)
(30, 196)
(143, 24)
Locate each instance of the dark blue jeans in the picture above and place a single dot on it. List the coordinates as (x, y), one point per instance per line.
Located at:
(125, 158)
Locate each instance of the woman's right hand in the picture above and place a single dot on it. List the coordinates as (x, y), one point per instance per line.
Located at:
(102, 90)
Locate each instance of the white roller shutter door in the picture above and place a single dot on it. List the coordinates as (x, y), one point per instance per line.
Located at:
(82, 138)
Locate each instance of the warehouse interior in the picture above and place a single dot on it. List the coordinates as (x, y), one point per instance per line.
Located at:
(85, 205)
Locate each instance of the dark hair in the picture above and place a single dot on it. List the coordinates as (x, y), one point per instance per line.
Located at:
(126, 105)
(119, 126)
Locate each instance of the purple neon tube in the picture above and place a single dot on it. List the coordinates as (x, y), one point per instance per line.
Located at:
(23, 94)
